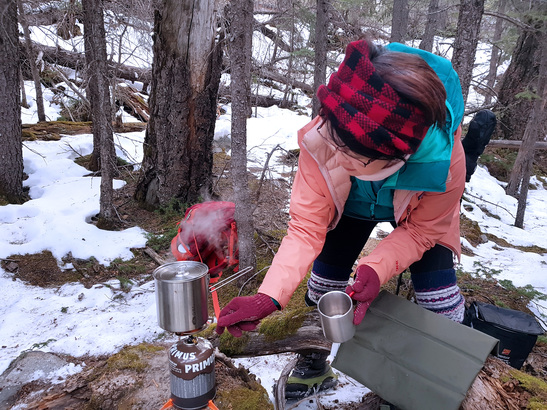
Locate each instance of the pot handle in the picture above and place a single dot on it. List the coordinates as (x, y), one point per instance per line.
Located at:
(219, 284)
(224, 282)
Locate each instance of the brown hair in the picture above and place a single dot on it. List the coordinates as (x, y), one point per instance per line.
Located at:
(413, 79)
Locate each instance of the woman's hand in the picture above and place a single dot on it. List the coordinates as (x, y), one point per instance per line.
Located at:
(244, 313)
(364, 290)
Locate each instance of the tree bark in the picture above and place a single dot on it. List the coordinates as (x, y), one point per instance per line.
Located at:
(399, 21)
(535, 129)
(178, 155)
(321, 40)
(241, 30)
(514, 106)
(495, 56)
(465, 43)
(24, 102)
(32, 63)
(11, 148)
(101, 109)
(431, 26)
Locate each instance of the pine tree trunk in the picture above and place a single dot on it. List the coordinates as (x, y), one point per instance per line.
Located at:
(321, 40)
(24, 102)
(465, 43)
(431, 26)
(514, 106)
(495, 56)
(32, 63)
(99, 96)
(535, 129)
(178, 155)
(399, 21)
(241, 29)
(11, 148)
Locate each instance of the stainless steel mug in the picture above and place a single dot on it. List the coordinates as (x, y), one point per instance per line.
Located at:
(336, 312)
(182, 290)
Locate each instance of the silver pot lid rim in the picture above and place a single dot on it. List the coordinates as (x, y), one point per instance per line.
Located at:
(181, 271)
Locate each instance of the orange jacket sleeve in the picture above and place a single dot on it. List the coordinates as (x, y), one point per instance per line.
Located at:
(311, 211)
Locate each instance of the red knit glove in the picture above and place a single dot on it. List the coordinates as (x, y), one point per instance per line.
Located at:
(364, 290)
(244, 313)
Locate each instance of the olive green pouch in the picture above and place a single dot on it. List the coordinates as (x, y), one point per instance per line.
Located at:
(413, 358)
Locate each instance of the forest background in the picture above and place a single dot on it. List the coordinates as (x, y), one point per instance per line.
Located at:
(198, 58)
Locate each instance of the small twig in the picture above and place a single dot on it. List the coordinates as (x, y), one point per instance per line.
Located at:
(265, 242)
(263, 175)
(477, 109)
(252, 277)
(125, 203)
(34, 151)
(489, 202)
(71, 86)
(537, 317)
(154, 256)
(118, 215)
(72, 149)
(127, 154)
(220, 175)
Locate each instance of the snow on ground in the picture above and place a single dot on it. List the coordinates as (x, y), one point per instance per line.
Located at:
(100, 320)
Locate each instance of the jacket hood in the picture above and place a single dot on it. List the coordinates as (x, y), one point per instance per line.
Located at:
(450, 79)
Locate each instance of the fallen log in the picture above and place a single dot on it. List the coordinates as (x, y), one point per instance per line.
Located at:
(514, 144)
(76, 61)
(272, 35)
(132, 100)
(308, 337)
(256, 100)
(280, 78)
(104, 386)
(154, 256)
(52, 130)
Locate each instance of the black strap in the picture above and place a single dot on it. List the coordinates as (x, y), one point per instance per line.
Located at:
(399, 281)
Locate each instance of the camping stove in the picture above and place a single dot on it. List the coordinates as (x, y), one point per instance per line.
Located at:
(181, 302)
(192, 373)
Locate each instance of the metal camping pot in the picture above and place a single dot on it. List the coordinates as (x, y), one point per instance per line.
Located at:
(181, 296)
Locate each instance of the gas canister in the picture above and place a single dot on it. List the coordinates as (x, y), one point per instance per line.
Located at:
(192, 373)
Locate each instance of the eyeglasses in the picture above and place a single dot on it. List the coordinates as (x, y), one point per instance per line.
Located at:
(345, 150)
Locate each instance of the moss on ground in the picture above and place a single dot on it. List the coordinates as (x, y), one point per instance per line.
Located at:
(536, 387)
(470, 230)
(131, 357)
(280, 326)
(503, 243)
(242, 398)
(233, 346)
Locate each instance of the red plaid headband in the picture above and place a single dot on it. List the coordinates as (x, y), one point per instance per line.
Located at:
(373, 114)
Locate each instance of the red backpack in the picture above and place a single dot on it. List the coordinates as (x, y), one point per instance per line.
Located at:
(208, 234)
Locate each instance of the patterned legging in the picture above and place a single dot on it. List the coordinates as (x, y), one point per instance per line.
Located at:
(433, 276)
